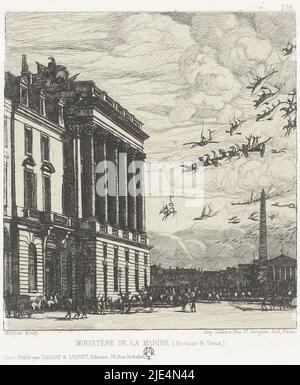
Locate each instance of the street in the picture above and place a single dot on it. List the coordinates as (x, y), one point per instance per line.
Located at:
(209, 316)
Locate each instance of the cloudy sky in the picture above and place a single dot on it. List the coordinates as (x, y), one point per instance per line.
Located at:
(178, 73)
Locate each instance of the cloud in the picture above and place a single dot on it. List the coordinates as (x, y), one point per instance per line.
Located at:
(228, 48)
(210, 27)
(279, 27)
(252, 174)
(234, 37)
(243, 51)
(211, 85)
(218, 249)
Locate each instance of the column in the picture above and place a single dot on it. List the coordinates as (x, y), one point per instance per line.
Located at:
(101, 156)
(113, 180)
(88, 172)
(131, 190)
(123, 187)
(293, 274)
(140, 199)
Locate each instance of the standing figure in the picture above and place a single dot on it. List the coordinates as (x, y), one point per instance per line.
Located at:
(264, 303)
(69, 305)
(84, 309)
(77, 308)
(193, 302)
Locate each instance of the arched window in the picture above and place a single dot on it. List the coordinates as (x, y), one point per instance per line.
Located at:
(32, 267)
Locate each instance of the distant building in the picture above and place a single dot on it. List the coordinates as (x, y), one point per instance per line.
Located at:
(275, 271)
(282, 268)
(175, 277)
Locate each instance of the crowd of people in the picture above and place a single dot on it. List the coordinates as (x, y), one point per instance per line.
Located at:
(155, 296)
(187, 297)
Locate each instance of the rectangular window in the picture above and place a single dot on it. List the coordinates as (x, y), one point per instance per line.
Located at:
(28, 141)
(105, 278)
(137, 287)
(127, 279)
(104, 250)
(30, 186)
(45, 147)
(47, 193)
(127, 256)
(145, 259)
(116, 268)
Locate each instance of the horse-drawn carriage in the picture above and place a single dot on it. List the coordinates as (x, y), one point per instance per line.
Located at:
(18, 306)
(254, 146)
(124, 304)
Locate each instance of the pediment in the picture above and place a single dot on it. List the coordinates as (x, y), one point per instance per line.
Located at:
(47, 167)
(282, 260)
(28, 161)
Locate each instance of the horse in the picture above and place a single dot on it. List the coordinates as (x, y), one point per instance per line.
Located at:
(111, 305)
(144, 300)
(37, 304)
(101, 306)
(52, 302)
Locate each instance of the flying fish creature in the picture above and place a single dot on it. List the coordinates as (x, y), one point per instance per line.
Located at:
(258, 82)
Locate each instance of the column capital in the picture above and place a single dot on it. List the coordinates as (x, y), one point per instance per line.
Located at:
(88, 129)
(80, 130)
(133, 152)
(75, 130)
(140, 155)
(101, 133)
(124, 147)
(113, 140)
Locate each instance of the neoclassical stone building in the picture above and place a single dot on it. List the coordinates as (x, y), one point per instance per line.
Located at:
(60, 235)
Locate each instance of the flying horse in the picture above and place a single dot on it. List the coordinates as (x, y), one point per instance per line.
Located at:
(235, 126)
(204, 141)
(168, 209)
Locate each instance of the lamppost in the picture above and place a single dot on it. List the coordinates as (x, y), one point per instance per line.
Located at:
(120, 276)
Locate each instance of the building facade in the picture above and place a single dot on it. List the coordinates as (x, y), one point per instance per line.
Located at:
(60, 235)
